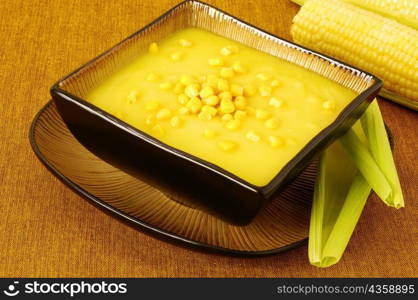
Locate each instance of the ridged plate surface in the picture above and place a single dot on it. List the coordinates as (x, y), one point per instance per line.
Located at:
(281, 225)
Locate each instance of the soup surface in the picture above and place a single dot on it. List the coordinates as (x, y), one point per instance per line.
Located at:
(241, 109)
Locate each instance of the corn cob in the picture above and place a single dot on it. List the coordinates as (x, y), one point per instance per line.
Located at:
(403, 11)
(364, 39)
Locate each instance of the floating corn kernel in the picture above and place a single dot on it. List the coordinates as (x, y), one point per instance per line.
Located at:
(227, 106)
(178, 88)
(240, 102)
(227, 145)
(158, 129)
(328, 105)
(233, 124)
(153, 48)
(240, 115)
(299, 85)
(192, 90)
(194, 105)
(187, 79)
(275, 141)
(150, 120)
(152, 76)
(206, 92)
(233, 48)
(250, 110)
(226, 72)
(211, 100)
(275, 102)
(261, 114)
(226, 117)
(163, 114)
(166, 85)
(250, 90)
(265, 90)
(275, 83)
(272, 123)
(210, 110)
(210, 134)
(237, 90)
(253, 136)
(225, 51)
(176, 122)
(132, 97)
(212, 79)
(225, 96)
(263, 76)
(216, 62)
(152, 105)
(183, 111)
(176, 56)
(182, 99)
(238, 67)
(222, 85)
(185, 43)
(312, 99)
(205, 116)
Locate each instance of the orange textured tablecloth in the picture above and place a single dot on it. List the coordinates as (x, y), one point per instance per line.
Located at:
(48, 230)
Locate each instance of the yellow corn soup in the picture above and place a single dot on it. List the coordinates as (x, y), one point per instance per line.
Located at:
(241, 109)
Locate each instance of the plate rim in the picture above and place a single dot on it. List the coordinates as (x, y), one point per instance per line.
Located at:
(135, 222)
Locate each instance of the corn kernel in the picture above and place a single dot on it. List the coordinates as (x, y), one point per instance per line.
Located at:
(185, 43)
(120, 115)
(227, 106)
(206, 92)
(187, 79)
(261, 114)
(163, 114)
(275, 141)
(275, 102)
(265, 90)
(240, 115)
(238, 67)
(272, 123)
(328, 105)
(152, 76)
(192, 90)
(210, 110)
(233, 124)
(222, 85)
(233, 48)
(194, 105)
(253, 136)
(225, 51)
(205, 116)
(250, 110)
(211, 100)
(227, 145)
(275, 83)
(216, 62)
(158, 129)
(240, 102)
(225, 96)
(226, 72)
(176, 122)
(183, 111)
(166, 85)
(212, 79)
(210, 134)
(178, 88)
(263, 76)
(132, 97)
(250, 90)
(150, 120)
(153, 48)
(176, 56)
(182, 99)
(237, 90)
(152, 105)
(226, 117)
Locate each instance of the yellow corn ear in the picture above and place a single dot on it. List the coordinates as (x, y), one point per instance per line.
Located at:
(364, 39)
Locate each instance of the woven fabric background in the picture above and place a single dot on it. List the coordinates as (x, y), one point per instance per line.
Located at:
(47, 230)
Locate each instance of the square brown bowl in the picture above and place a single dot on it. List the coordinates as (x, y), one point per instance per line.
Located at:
(184, 177)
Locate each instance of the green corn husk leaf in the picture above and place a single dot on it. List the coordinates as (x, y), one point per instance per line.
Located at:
(375, 131)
